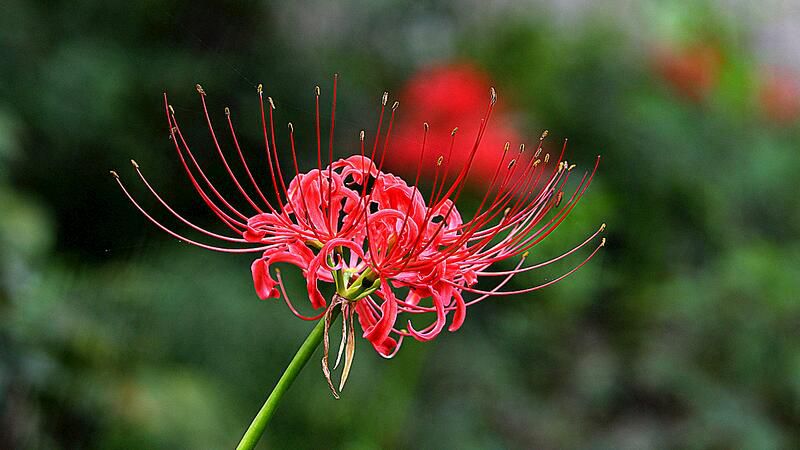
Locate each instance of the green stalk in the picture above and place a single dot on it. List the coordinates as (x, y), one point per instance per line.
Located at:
(256, 429)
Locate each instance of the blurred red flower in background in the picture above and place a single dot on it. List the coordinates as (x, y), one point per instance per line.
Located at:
(779, 96)
(448, 97)
(691, 71)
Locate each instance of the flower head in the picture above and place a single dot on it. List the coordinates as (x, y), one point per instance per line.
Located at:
(392, 251)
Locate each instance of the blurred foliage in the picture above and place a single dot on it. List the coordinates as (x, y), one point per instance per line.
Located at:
(683, 333)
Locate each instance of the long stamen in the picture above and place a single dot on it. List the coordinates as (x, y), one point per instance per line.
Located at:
(309, 223)
(365, 172)
(447, 160)
(478, 222)
(275, 149)
(174, 133)
(452, 205)
(534, 288)
(178, 236)
(384, 99)
(458, 182)
(331, 225)
(568, 208)
(202, 93)
(319, 148)
(175, 213)
(272, 170)
(367, 198)
(521, 234)
(411, 203)
(316, 123)
(244, 162)
(199, 169)
(545, 263)
(465, 169)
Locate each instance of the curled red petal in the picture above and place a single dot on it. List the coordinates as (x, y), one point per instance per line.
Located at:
(380, 331)
(380, 340)
(460, 313)
(317, 300)
(436, 328)
(263, 282)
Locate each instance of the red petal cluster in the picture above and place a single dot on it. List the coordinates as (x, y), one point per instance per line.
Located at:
(393, 251)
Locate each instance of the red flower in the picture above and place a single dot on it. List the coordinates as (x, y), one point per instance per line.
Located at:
(373, 235)
(692, 71)
(449, 97)
(780, 96)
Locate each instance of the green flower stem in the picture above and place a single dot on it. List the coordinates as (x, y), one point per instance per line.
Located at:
(256, 429)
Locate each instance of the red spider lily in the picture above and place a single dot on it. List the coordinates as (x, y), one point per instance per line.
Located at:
(779, 96)
(692, 72)
(373, 235)
(449, 96)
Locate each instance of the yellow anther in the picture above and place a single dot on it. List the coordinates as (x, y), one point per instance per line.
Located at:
(603, 242)
(385, 98)
(316, 91)
(546, 157)
(135, 165)
(439, 161)
(291, 127)
(544, 134)
(493, 95)
(426, 126)
(525, 255)
(271, 103)
(260, 88)
(603, 227)
(171, 109)
(200, 89)
(396, 104)
(506, 146)
(453, 133)
(227, 111)
(114, 174)
(361, 135)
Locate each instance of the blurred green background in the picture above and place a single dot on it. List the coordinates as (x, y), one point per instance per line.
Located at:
(682, 333)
